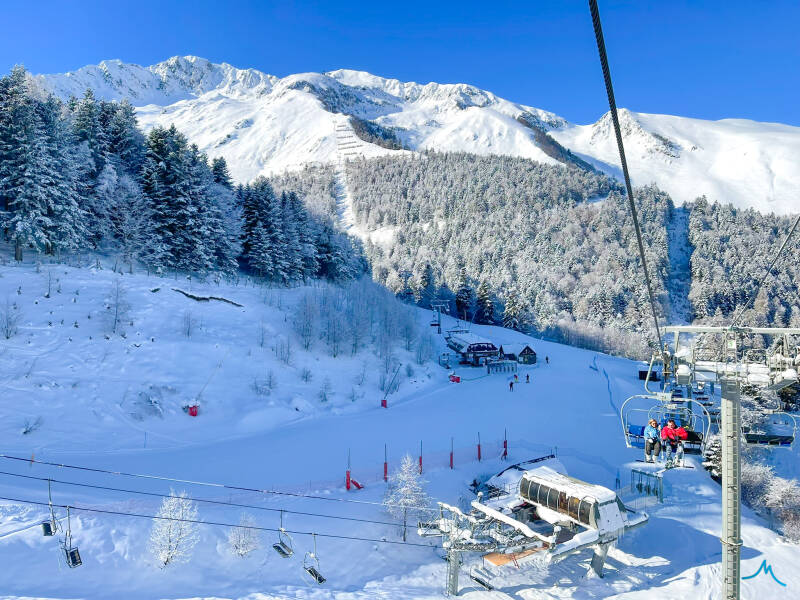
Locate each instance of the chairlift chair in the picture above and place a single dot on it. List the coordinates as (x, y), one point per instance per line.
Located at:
(50, 527)
(71, 554)
(697, 423)
(311, 564)
(774, 440)
(283, 546)
(482, 577)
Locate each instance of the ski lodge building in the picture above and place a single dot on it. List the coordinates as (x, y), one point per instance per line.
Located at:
(472, 349)
(522, 353)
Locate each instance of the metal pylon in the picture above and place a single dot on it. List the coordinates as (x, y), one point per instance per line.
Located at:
(731, 488)
(453, 566)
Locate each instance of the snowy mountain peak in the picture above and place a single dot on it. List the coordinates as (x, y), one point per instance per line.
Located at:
(264, 124)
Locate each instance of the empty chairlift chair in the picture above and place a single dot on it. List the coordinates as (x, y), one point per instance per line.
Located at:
(783, 437)
(71, 554)
(311, 564)
(482, 577)
(283, 546)
(50, 527)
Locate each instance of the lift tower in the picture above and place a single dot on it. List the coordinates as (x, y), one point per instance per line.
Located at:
(731, 370)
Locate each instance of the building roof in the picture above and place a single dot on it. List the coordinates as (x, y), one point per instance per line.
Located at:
(570, 485)
(464, 340)
(515, 349)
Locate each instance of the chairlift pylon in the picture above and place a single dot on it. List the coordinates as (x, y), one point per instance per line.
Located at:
(283, 546)
(311, 564)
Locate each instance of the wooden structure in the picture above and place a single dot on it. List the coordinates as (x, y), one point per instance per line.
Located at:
(522, 353)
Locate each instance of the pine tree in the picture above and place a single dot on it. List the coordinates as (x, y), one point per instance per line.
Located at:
(464, 296)
(221, 174)
(485, 304)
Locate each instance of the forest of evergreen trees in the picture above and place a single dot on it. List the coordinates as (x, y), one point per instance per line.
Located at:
(503, 240)
(731, 251)
(81, 176)
(508, 240)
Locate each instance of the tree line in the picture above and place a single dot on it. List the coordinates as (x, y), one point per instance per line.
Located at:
(81, 176)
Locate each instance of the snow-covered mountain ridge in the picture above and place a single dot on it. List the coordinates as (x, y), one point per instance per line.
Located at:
(264, 124)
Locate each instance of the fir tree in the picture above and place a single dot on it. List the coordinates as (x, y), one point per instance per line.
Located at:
(485, 303)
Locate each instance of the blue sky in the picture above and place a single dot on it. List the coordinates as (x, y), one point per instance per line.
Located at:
(708, 60)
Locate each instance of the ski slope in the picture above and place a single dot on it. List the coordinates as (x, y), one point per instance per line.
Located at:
(263, 124)
(85, 388)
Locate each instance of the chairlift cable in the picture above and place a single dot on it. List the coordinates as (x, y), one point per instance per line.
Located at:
(601, 49)
(215, 523)
(219, 502)
(193, 482)
(752, 297)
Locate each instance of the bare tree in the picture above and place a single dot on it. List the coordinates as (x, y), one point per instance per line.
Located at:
(117, 306)
(10, 317)
(174, 534)
(244, 539)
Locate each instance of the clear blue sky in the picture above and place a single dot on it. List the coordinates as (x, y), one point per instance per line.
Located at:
(709, 60)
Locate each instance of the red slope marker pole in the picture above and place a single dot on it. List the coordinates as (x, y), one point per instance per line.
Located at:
(347, 477)
(479, 446)
(385, 464)
(505, 444)
(451, 453)
(420, 457)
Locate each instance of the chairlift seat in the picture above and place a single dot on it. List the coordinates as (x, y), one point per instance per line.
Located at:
(766, 439)
(481, 577)
(282, 549)
(693, 444)
(636, 436)
(315, 575)
(47, 529)
(73, 557)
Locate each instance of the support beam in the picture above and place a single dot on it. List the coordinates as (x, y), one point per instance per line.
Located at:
(731, 489)
(453, 566)
(599, 558)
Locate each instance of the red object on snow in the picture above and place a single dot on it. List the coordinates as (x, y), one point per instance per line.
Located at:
(385, 471)
(383, 403)
(193, 411)
(455, 378)
(451, 459)
(356, 484)
(347, 480)
(479, 452)
(505, 448)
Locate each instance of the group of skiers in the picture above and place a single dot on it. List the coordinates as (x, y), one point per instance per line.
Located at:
(670, 436)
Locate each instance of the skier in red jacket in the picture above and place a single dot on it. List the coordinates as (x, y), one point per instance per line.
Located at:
(673, 438)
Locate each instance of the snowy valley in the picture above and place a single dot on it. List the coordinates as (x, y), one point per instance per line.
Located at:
(114, 403)
(239, 312)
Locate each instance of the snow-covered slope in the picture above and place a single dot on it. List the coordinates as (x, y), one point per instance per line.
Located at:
(114, 403)
(264, 124)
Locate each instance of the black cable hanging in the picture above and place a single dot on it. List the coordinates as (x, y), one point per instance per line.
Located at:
(50, 480)
(33, 461)
(215, 523)
(601, 49)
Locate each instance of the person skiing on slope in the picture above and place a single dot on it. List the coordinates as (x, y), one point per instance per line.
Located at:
(652, 441)
(547, 359)
(516, 378)
(511, 386)
(674, 437)
(527, 377)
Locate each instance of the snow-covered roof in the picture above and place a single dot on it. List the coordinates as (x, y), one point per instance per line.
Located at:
(515, 349)
(463, 341)
(570, 485)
